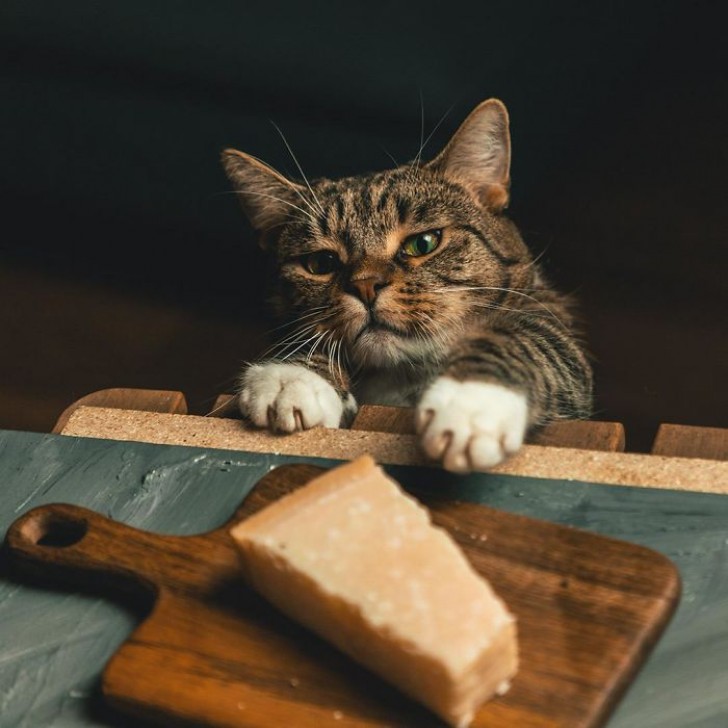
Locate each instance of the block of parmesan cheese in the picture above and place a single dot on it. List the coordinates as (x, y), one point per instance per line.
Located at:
(355, 559)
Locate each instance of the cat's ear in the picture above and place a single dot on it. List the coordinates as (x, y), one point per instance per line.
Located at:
(268, 198)
(479, 155)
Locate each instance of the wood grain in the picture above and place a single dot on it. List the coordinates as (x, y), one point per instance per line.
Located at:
(145, 400)
(589, 609)
(691, 442)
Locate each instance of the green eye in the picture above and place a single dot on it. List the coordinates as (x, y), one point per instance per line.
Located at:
(421, 244)
(321, 263)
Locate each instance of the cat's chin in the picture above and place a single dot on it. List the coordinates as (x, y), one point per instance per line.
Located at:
(384, 347)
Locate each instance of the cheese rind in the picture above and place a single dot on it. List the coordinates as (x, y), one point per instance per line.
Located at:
(355, 559)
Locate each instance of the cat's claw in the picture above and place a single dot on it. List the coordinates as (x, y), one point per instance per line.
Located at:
(289, 397)
(470, 425)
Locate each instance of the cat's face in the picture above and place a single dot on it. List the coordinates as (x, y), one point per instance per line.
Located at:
(390, 267)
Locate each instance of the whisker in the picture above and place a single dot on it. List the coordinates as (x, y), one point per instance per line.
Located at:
(327, 347)
(517, 311)
(217, 409)
(277, 199)
(300, 169)
(294, 187)
(538, 257)
(506, 290)
(297, 332)
(418, 157)
(310, 312)
(318, 314)
(330, 353)
(396, 163)
(291, 340)
(299, 347)
(314, 347)
(338, 361)
(333, 366)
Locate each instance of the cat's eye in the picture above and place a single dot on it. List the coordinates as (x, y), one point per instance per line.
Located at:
(321, 263)
(421, 244)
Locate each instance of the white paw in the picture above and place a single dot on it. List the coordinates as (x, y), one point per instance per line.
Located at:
(288, 397)
(470, 425)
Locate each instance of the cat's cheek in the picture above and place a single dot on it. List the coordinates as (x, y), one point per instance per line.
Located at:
(289, 397)
(471, 425)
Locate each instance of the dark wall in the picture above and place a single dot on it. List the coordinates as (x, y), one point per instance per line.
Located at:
(113, 116)
(116, 112)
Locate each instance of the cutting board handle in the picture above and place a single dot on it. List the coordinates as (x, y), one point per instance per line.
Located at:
(71, 541)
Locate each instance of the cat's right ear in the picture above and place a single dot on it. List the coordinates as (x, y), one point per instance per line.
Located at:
(479, 155)
(267, 197)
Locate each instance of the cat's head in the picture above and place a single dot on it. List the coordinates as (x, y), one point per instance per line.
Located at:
(392, 264)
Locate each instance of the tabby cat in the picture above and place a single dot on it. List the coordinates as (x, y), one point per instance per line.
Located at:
(411, 287)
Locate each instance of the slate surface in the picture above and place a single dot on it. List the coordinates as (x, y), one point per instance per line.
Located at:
(54, 644)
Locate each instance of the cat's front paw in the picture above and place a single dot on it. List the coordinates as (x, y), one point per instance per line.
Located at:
(470, 425)
(289, 397)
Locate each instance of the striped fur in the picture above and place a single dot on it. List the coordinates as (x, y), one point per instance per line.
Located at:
(477, 308)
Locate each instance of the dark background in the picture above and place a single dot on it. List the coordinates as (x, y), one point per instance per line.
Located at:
(125, 263)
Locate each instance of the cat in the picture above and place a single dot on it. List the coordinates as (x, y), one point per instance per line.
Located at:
(412, 287)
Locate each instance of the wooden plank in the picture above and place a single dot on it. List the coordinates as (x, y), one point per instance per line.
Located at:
(710, 476)
(147, 400)
(583, 435)
(710, 443)
(213, 653)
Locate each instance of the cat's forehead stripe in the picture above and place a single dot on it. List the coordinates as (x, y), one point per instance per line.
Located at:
(362, 214)
(403, 209)
(371, 216)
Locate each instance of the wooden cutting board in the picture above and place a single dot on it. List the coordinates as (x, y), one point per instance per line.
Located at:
(211, 652)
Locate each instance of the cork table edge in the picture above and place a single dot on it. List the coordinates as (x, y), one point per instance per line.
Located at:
(614, 468)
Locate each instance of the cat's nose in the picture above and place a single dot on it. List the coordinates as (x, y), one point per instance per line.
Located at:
(368, 288)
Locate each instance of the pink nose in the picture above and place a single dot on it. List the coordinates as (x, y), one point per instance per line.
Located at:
(367, 288)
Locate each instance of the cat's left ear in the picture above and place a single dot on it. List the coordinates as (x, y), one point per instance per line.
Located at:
(268, 198)
(479, 155)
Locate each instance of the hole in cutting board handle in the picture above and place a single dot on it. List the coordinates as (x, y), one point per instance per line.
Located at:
(54, 531)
